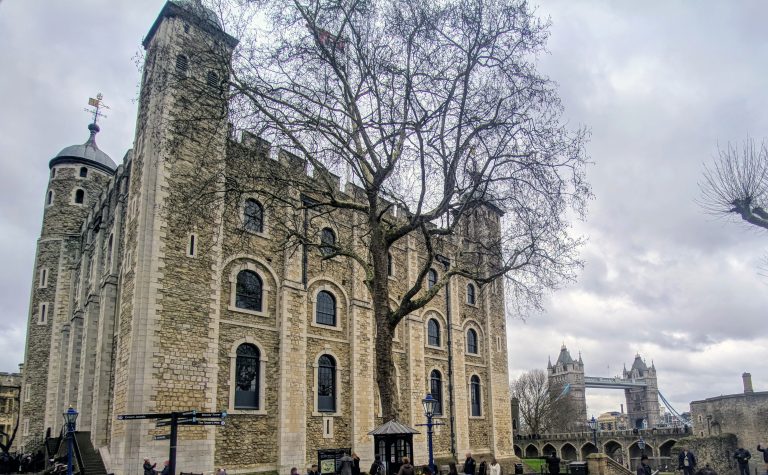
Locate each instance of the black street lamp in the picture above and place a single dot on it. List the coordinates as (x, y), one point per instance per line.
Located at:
(641, 446)
(70, 417)
(592, 423)
(429, 404)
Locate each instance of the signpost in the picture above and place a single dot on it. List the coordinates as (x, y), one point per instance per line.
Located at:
(174, 420)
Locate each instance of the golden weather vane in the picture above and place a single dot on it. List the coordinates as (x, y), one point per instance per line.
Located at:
(96, 106)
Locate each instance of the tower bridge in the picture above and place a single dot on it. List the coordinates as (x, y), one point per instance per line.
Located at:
(639, 384)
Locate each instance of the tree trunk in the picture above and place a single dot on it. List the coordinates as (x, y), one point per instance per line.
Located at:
(385, 329)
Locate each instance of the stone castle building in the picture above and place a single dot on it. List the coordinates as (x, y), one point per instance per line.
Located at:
(10, 395)
(567, 377)
(138, 307)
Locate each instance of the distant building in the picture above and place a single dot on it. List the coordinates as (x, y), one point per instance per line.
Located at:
(613, 420)
(568, 374)
(745, 415)
(10, 395)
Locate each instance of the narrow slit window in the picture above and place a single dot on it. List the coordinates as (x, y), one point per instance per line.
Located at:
(43, 277)
(182, 64)
(43, 317)
(212, 79)
(49, 198)
(79, 197)
(192, 246)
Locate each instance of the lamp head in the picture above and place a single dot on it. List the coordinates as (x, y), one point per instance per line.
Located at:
(429, 404)
(592, 423)
(70, 416)
(641, 444)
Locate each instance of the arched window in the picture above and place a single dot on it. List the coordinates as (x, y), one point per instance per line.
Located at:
(327, 241)
(433, 332)
(472, 341)
(436, 389)
(325, 309)
(83, 172)
(389, 264)
(253, 216)
(49, 199)
(247, 367)
(431, 278)
(326, 384)
(79, 196)
(249, 289)
(182, 63)
(470, 294)
(474, 396)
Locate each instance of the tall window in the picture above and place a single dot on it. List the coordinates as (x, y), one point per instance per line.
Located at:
(433, 332)
(436, 389)
(472, 341)
(248, 291)
(43, 316)
(470, 294)
(325, 309)
(43, 278)
(431, 278)
(247, 367)
(474, 396)
(389, 264)
(83, 172)
(49, 199)
(326, 384)
(182, 63)
(253, 216)
(327, 241)
(79, 196)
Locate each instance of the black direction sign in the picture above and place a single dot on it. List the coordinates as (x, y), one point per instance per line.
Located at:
(188, 413)
(206, 415)
(187, 420)
(209, 423)
(131, 417)
(163, 437)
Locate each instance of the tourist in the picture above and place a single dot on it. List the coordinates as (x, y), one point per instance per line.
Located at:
(346, 465)
(644, 468)
(166, 468)
(553, 464)
(765, 456)
(149, 467)
(377, 468)
(686, 462)
(222, 471)
(495, 467)
(406, 468)
(469, 465)
(452, 470)
(355, 464)
(483, 467)
(313, 470)
(294, 471)
(742, 457)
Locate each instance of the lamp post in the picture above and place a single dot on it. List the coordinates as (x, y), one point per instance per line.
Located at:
(429, 404)
(592, 423)
(641, 446)
(70, 417)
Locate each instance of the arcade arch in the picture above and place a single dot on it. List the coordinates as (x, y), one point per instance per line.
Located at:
(587, 449)
(548, 450)
(531, 451)
(568, 452)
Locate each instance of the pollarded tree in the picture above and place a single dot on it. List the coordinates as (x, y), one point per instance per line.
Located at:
(433, 110)
(737, 182)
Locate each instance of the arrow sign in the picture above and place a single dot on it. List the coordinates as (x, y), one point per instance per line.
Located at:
(162, 437)
(190, 420)
(206, 415)
(130, 417)
(188, 413)
(209, 423)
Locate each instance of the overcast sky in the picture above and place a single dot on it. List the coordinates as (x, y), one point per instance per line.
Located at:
(659, 84)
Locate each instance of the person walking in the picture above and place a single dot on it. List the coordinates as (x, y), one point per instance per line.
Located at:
(644, 468)
(221, 471)
(346, 465)
(377, 468)
(742, 457)
(452, 470)
(686, 462)
(482, 469)
(469, 465)
(149, 467)
(406, 468)
(355, 464)
(166, 468)
(765, 456)
(495, 468)
(553, 464)
(313, 470)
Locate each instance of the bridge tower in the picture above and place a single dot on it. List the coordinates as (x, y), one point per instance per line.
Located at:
(642, 402)
(567, 376)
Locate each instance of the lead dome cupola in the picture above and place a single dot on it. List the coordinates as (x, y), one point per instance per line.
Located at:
(87, 153)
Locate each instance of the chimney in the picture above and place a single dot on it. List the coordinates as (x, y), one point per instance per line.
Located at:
(747, 378)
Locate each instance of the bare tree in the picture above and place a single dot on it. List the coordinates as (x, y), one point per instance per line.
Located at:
(436, 115)
(9, 438)
(737, 182)
(543, 407)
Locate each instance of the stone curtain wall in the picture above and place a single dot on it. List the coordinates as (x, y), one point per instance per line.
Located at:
(717, 451)
(745, 415)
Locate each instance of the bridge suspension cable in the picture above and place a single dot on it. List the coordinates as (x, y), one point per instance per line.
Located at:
(686, 422)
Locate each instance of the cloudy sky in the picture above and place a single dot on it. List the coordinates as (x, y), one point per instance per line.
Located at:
(660, 85)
